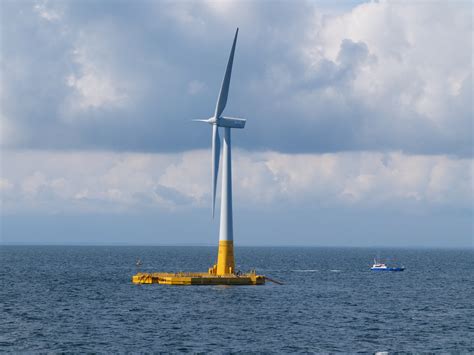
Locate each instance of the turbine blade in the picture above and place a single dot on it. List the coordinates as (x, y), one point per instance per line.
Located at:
(222, 99)
(201, 120)
(216, 151)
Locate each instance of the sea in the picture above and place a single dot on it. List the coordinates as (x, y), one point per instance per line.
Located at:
(81, 299)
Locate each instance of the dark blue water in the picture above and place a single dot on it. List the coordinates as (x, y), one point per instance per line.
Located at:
(81, 299)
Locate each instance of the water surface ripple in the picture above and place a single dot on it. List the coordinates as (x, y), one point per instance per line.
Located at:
(81, 299)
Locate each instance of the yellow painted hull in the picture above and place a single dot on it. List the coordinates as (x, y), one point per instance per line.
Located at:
(188, 278)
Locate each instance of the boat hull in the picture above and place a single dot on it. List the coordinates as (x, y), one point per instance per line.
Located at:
(388, 269)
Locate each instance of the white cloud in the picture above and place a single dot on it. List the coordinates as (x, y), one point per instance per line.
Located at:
(420, 50)
(364, 178)
(31, 184)
(100, 181)
(95, 86)
(188, 174)
(47, 12)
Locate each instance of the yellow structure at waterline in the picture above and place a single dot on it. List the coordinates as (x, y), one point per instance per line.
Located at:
(221, 273)
(225, 258)
(197, 278)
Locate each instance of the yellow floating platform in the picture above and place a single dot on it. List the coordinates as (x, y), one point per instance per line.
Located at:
(197, 278)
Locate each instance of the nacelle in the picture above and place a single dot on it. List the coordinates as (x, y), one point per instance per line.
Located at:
(231, 122)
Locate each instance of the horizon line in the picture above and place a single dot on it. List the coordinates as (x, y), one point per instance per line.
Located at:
(87, 244)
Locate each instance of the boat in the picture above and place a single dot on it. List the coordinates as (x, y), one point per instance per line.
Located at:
(379, 266)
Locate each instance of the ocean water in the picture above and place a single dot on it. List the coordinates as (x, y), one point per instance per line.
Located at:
(59, 298)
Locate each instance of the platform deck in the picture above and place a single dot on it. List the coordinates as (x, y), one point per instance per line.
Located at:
(196, 278)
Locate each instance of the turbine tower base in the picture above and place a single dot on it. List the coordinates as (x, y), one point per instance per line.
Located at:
(225, 259)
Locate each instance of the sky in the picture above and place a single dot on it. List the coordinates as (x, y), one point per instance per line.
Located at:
(359, 122)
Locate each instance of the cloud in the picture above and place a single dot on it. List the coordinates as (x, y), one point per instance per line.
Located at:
(171, 196)
(94, 87)
(128, 76)
(5, 185)
(104, 182)
(46, 12)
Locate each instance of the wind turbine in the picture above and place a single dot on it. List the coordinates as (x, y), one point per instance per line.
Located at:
(222, 273)
(225, 259)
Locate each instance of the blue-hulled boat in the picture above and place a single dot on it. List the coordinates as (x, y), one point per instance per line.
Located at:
(378, 266)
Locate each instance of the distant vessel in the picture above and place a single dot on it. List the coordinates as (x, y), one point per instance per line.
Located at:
(378, 266)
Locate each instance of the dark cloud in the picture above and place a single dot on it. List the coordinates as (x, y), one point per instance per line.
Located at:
(130, 75)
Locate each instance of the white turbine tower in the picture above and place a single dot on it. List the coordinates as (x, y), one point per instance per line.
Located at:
(225, 260)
